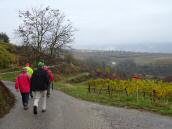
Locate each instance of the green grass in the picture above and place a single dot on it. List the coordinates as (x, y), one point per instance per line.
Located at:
(120, 100)
(9, 76)
(9, 70)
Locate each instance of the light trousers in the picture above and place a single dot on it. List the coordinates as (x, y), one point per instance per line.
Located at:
(38, 95)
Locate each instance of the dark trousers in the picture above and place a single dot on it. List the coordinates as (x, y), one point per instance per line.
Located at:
(48, 89)
(25, 98)
(31, 94)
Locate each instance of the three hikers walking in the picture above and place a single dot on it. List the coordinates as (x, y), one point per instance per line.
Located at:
(38, 82)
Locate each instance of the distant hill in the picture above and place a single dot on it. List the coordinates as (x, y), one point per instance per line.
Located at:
(145, 47)
(7, 55)
(140, 58)
(135, 47)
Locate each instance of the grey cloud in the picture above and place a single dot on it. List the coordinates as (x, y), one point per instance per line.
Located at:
(103, 22)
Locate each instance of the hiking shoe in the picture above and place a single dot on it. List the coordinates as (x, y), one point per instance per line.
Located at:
(43, 110)
(48, 95)
(25, 107)
(35, 110)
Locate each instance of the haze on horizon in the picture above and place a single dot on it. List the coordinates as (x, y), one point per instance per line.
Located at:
(132, 25)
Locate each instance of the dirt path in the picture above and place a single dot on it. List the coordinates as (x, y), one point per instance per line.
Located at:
(65, 112)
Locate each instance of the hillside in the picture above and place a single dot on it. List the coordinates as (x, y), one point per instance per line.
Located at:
(7, 55)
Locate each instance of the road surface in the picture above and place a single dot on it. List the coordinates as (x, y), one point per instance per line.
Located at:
(65, 112)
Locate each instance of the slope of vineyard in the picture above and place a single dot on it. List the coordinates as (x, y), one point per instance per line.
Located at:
(7, 55)
(145, 88)
(150, 95)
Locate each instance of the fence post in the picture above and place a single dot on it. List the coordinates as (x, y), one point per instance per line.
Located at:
(109, 90)
(89, 88)
(137, 93)
(126, 91)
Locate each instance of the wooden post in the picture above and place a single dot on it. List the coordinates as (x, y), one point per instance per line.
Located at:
(126, 91)
(109, 90)
(137, 93)
(89, 88)
(153, 95)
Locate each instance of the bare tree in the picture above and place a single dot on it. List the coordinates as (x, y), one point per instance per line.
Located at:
(45, 30)
(61, 35)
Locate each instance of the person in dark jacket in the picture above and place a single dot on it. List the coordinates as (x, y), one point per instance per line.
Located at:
(39, 85)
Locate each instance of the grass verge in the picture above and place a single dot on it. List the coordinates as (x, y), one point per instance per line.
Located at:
(9, 76)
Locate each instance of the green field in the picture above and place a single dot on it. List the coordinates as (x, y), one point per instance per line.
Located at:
(11, 76)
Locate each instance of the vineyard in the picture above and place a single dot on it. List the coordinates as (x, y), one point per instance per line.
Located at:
(141, 89)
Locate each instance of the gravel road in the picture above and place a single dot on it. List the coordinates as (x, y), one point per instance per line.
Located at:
(65, 112)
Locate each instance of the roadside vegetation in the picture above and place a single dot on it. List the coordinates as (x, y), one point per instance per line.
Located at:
(10, 76)
(7, 100)
(7, 55)
(81, 90)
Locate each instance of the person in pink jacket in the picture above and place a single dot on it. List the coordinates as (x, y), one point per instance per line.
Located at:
(51, 79)
(23, 83)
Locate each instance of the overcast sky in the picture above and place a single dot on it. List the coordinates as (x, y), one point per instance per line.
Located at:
(102, 24)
